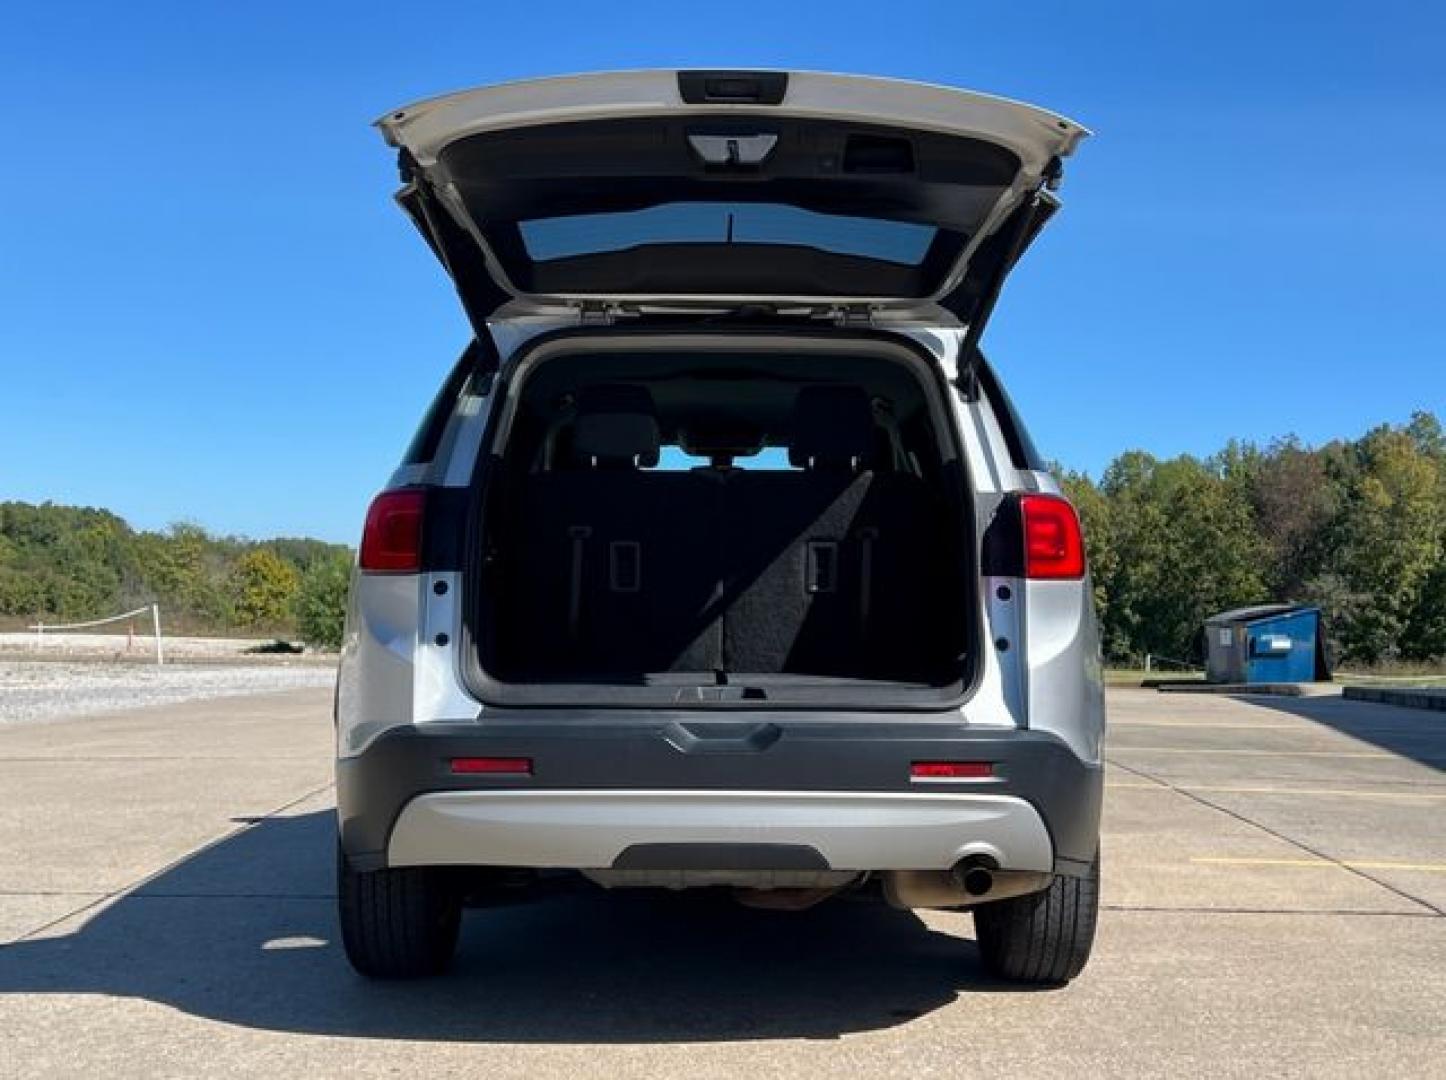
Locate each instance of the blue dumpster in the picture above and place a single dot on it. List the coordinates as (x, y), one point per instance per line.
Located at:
(1267, 643)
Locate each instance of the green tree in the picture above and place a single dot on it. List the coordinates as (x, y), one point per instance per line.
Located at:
(1426, 433)
(321, 600)
(1424, 638)
(68, 562)
(1095, 519)
(1387, 541)
(1184, 548)
(263, 589)
(187, 569)
(1295, 504)
(63, 561)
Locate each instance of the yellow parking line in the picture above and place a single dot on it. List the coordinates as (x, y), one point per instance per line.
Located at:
(1110, 786)
(1317, 864)
(1255, 753)
(1427, 796)
(1228, 724)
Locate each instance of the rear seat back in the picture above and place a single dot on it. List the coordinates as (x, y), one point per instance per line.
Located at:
(617, 571)
(837, 569)
(832, 570)
(913, 584)
(617, 567)
(792, 572)
(798, 547)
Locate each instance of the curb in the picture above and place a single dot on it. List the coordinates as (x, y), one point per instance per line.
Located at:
(1404, 698)
(1197, 687)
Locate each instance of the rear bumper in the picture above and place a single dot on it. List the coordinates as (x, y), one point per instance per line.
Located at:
(677, 792)
(676, 830)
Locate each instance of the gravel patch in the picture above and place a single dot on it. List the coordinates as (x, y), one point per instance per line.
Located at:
(49, 690)
(119, 646)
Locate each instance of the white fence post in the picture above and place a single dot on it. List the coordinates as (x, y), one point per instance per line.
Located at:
(156, 626)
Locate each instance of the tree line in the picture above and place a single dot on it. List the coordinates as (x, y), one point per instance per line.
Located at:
(69, 564)
(1356, 527)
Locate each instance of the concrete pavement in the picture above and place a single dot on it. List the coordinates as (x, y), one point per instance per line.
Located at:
(1275, 878)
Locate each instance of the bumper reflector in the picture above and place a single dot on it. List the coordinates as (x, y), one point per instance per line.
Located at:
(497, 766)
(951, 770)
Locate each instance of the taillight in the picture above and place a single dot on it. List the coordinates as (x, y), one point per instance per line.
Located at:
(392, 539)
(1053, 544)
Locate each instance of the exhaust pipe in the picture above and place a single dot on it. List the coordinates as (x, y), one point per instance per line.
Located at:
(977, 880)
(972, 881)
(975, 875)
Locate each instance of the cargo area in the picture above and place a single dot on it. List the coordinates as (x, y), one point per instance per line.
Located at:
(670, 526)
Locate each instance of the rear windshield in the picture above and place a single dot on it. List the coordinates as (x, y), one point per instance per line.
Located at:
(726, 223)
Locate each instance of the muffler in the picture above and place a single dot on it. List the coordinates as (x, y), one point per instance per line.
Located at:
(974, 880)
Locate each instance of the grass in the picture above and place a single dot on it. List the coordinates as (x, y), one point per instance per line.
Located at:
(1135, 676)
(1366, 678)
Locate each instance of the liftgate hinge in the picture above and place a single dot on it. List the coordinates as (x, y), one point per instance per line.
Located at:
(596, 313)
(853, 315)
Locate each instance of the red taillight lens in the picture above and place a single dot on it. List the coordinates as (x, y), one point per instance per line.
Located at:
(1053, 544)
(512, 766)
(951, 770)
(392, 539)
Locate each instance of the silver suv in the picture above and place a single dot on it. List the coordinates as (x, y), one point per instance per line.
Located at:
(722, 559)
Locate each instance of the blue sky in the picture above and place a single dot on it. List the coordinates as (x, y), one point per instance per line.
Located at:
(211, 311)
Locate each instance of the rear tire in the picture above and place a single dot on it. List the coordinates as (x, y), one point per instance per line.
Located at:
(400, 923)
(1042, 939)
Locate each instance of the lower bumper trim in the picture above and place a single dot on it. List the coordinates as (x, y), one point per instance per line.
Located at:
(590, 829)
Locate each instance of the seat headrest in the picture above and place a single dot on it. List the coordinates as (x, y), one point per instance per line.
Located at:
(833, 427)
(616, 398)
(707, 436)
(616, 425)
(616, 438)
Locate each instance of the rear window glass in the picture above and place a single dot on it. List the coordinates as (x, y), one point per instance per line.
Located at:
(770, 459)
(723, 223)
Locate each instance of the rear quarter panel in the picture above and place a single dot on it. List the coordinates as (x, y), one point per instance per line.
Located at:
(1043, 660)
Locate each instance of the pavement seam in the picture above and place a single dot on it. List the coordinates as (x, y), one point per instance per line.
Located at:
(154, 757)
(1354, 864)
(1230, 789)
(50, 892)
(1345, 729)
(1201, 800)
(1149, 909)
(1426, 785)
(1241, 752)
(177, 861)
